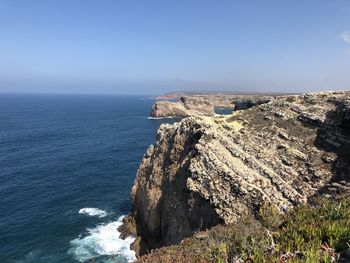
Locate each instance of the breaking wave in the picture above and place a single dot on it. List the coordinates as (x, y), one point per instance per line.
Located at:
(90, 211)
(160, 118)
(103, 240)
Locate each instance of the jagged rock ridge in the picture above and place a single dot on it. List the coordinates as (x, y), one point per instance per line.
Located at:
(209, 170)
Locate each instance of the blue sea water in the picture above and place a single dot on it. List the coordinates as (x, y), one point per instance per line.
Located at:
(67, 164)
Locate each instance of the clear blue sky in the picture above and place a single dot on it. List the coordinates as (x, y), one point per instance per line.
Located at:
(151, 47)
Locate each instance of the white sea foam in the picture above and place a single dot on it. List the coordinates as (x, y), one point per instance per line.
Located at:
(90, 211)
(102, 240)
(159, 118)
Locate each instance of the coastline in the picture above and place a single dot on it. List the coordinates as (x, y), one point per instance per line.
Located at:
(175, 184)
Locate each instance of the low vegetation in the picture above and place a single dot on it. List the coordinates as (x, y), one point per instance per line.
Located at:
(309, 233)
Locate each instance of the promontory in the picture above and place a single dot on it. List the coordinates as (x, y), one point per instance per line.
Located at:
(208, 178)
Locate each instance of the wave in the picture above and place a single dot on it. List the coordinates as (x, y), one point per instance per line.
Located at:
(159, 118)
(103, 240)
(90, 211)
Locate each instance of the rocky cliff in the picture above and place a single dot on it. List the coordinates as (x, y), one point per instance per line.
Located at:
(204, 171)
(187, 106)
(204, 105)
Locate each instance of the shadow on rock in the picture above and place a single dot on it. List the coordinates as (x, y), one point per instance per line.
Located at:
(333, 137)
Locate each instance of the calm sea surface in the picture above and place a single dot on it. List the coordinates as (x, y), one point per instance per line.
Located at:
(67, 164)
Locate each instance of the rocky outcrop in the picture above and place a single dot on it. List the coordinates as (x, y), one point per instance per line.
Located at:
(187, 106)
(209, 170)
(169, 96)
(205, 105)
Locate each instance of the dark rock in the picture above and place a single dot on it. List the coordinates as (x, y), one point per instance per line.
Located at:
(311, 119)
(128, 228)
(344, 256)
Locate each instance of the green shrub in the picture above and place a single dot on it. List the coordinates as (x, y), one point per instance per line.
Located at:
(308, 234)
(270, 216)
(291, 99)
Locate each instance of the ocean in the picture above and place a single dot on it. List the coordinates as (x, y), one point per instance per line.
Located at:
(67, 165)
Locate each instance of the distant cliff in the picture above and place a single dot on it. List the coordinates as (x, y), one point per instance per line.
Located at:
(204, 105)
(204, 171)
(187, 106)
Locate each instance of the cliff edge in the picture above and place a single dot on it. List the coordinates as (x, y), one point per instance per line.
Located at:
(205, 105)
(186, 106)
(205, 171)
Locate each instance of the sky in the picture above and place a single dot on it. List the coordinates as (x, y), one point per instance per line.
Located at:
(153, 47)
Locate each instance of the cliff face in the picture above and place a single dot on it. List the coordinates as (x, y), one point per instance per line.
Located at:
(204, 105)
(209, 170)
(187, 106)
(165, 211)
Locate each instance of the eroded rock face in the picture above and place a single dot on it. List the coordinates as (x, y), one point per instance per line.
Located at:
(165, 211)
(204, 105)
(209, 170)
(187, 106)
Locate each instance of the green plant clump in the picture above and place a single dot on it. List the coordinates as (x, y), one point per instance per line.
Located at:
(308, 233)
(314, 234)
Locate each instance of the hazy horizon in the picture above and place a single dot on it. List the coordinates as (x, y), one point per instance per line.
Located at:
(155, 47)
